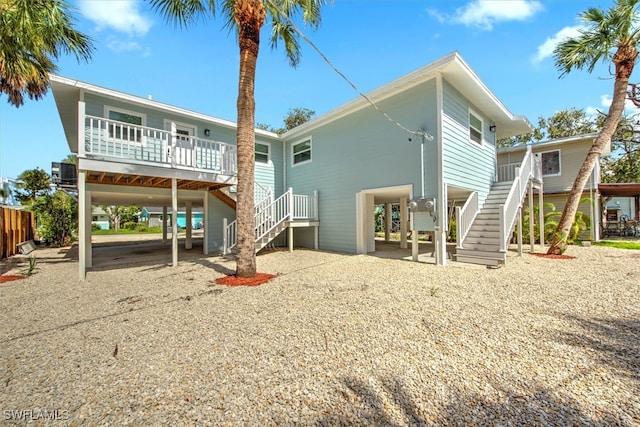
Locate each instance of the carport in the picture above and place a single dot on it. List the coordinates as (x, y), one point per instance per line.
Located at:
(627, 189)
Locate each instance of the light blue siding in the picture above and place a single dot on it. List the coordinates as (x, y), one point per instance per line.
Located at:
(217, 211)
(364, 151)
(466, 163)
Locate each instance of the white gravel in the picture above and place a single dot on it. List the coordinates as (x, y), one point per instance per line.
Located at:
(335, 339)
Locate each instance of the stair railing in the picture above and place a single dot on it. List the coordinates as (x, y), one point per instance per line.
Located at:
(509, 210)
(465, 216)
(264, 196)
(272, 215)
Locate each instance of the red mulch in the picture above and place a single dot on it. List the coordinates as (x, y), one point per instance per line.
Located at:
(233, 280)
(552, 256)
(9, 278)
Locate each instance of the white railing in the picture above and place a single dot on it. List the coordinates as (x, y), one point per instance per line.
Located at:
(287, 207)
(507, 173)
(465, 216)
(112, 139)
(262, 196)
(508, 211)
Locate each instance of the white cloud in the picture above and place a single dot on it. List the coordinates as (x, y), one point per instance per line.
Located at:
(605, 103)
(485, 13)
(546, 49)
(122, 16)
(118, 45)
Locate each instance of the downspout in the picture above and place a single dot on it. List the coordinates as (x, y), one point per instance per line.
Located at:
(440, 243)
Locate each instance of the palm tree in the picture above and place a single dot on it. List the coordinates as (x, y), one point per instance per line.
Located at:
(610, 36)
(247, 18)
(33, 34)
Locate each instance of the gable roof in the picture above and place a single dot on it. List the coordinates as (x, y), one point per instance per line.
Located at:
(457, 72)
(553, 143)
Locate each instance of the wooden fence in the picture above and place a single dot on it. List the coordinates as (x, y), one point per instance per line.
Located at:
(15, 226)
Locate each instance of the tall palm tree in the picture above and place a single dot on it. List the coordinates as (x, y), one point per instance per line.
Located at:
(247, 18)
(33, 34)
(610, 36)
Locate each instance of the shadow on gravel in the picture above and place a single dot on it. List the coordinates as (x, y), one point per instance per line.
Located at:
(614, 341)
(540, 406)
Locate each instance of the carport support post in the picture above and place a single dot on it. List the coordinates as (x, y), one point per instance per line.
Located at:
(403, 223)
(187, 243)
(174, 221)
(414, 240)
(541, 216)
(532, 237)
(83, 221)
(387, 221)
(520, 232)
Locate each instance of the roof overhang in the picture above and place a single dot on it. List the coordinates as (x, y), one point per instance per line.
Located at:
(630, 189)
(68, 92)
(457, 72)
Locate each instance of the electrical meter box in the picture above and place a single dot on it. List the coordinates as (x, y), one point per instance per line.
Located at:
(423, 221)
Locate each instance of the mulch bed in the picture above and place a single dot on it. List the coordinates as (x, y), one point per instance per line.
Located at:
(233, 280)
(10, 278)
(552, 256)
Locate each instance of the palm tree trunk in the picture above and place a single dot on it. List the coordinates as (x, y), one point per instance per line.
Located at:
(250, 15)
(623, 71)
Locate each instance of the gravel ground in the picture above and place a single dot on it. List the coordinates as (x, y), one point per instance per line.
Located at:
(335, 339)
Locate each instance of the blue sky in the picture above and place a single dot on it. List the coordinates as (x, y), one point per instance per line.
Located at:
(508, 43)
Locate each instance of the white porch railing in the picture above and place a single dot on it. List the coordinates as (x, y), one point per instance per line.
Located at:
(123, 141)
(509, 210)
(287, 207)
(465, 216)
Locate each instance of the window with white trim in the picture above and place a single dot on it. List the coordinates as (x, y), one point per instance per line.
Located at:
(475, 127)
(122, 130)
(550, 163)
(262, 152)
(301, 152)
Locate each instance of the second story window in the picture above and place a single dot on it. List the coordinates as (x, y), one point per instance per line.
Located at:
(550, 163)
(475, 127)
(301, 152)
(262, 153)
(123, 130)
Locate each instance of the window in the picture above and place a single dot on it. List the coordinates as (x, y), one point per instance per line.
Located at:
(262, 153)
(301, 152)
(475, 127)
(123, 130)
(551, 163)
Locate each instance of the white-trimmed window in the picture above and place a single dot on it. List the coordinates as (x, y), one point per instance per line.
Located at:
(475, 127)
(263, 152)
(122, 130)
(301, 152)
(550, 163)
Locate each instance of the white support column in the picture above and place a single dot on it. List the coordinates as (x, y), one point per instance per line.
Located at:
(82, 225)
(316, 237)
(205, 224)
(532, 237)
(370, 223)
(541, 216)
(520, 232)
(164, 224)
(187, 243)
(290, 230)
(174, 221)
(403, 223)
(387, 221)
(414, 241)
(88, 246)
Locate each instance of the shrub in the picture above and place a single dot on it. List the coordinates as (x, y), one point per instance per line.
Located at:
(130, 225)
(142, 228)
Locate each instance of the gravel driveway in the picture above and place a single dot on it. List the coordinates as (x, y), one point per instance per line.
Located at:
(335, 339)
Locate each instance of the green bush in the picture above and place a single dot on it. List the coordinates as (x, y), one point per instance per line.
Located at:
(95, 227)
(142, 228)
(130, 225)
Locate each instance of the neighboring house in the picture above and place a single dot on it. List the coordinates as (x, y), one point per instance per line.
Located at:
(561, 160)
(9, 187)
(435, 146)
(155, 216)
(99, 218)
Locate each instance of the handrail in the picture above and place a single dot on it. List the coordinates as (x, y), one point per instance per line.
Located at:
(273, 214)
(111, 138)
(465, 216)
(509, 209)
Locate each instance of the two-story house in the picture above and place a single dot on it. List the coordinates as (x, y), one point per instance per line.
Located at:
(424, 140)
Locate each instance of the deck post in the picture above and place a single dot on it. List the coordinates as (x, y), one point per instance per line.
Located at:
(174, 221)
(532, 237)
(82, 225)
(205, 224)
(225, 240)
(174, 143)
(403, 223)
(188, 244)
(291, 239)
(519, 231)
(414, 241)
(387, 221)
(541, 215)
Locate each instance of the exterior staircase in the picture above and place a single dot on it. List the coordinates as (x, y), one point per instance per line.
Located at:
(484, 233)
(482, 244)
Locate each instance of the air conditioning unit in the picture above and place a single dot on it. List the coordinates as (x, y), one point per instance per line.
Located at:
(64, 174)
